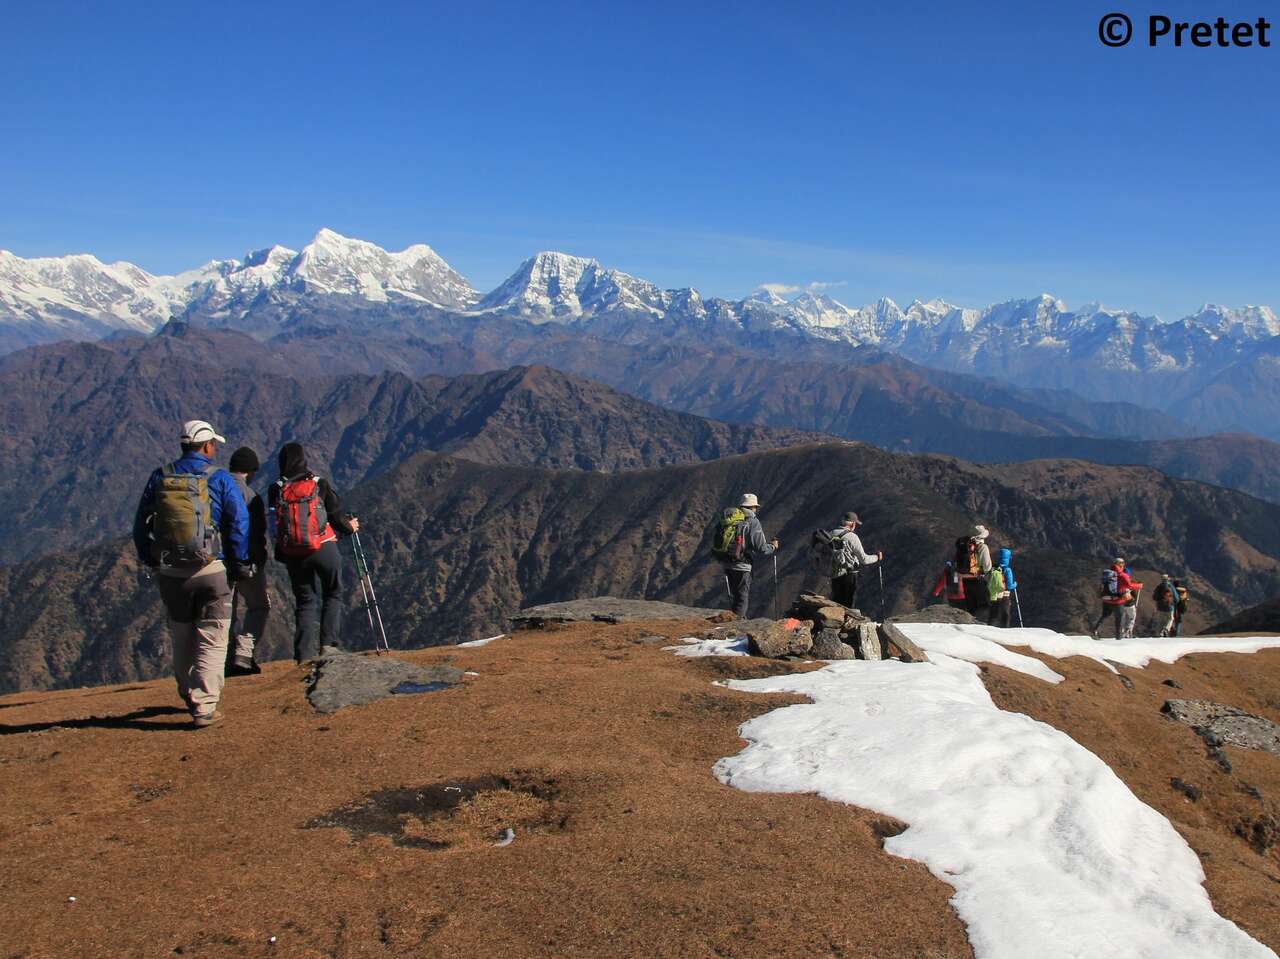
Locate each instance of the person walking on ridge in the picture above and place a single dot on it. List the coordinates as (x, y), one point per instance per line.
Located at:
(847, 559)
(739, 541)
(191, 517)
(1000, 587)
(1119, 600)
(973, 563)
(1166, 602)
(251, 593)
(306, 511)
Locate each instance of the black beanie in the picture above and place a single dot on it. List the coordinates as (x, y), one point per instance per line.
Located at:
(244, 460)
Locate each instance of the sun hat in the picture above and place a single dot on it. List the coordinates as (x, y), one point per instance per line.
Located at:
(851, 518)
(749, 501)
(198, 431)
(980, 532)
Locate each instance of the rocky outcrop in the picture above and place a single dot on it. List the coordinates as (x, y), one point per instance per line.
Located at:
(938, 613)
(1217, 723)
(1263, 618)
(346, 679)
(606, 609)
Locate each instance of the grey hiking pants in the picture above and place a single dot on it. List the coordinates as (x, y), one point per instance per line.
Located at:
(199, 610)
(1117, 612)
(251, 596)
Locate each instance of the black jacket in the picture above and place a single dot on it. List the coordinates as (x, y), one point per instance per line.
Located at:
(293, 465)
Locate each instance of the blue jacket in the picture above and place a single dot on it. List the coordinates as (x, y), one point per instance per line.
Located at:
(230, 514)
(1009, 582)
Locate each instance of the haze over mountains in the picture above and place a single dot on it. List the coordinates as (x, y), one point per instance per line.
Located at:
(1212, 369)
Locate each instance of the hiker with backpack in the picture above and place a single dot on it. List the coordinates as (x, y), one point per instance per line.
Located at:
(192, 531)
(1181, 600)
(972, 564)
(847, 559)
(1000, 588)
(251, 593)
(1166, 602)
(738, 541)
(1119, 592)
(306, 511)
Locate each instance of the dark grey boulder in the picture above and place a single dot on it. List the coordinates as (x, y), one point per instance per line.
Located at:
(607, 609)
(827, 645)
(341, 679)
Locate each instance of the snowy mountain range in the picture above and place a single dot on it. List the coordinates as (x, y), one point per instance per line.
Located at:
(80, 297)
(1037, 341)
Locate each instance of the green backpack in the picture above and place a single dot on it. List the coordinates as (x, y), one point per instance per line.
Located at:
(995, 583)
(730, 542)
(182, 531)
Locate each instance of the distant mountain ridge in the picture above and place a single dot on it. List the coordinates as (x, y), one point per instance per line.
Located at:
(1215, 371)
(84, 425)
(475, 541)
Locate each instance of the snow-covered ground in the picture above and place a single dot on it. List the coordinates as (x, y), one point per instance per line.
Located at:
(1049, 852)
(481, 642)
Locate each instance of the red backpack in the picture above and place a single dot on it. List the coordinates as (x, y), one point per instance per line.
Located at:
(302, 525)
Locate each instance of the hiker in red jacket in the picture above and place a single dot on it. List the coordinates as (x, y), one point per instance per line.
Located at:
(1119, 600)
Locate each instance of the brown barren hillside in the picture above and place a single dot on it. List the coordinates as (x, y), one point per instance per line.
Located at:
(126, 834)
(457, 546)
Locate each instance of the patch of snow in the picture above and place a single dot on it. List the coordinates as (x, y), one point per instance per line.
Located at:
(986, 644)
(737, 646)
(480, 642)
(1049, 852)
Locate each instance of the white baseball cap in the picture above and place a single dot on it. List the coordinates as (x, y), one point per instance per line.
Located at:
(198, 431)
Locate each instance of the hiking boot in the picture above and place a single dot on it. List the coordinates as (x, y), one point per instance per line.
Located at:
(243, 666)
(207, 719)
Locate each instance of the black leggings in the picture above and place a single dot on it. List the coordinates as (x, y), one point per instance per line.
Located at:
(317, 592)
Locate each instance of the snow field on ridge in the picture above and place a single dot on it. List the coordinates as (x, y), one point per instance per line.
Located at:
(1049, 852)
(986, 644)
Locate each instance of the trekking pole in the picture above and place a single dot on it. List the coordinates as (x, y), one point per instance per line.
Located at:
(880, 572)
(371, 606)
(775, 585)
(1018, 606)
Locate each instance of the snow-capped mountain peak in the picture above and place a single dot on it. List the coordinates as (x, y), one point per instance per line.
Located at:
(560, 287)
(332, 263)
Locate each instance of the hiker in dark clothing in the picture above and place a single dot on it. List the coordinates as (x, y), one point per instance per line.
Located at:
(972, 564)
(847, 559)
(1165, 605)
(738, 573)
(306, 510)
(249, 594)
(1180, 602)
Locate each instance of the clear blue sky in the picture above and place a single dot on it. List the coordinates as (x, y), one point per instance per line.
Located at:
(895, 149)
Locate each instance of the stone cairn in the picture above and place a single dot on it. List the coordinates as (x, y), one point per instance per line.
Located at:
(820, 628)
